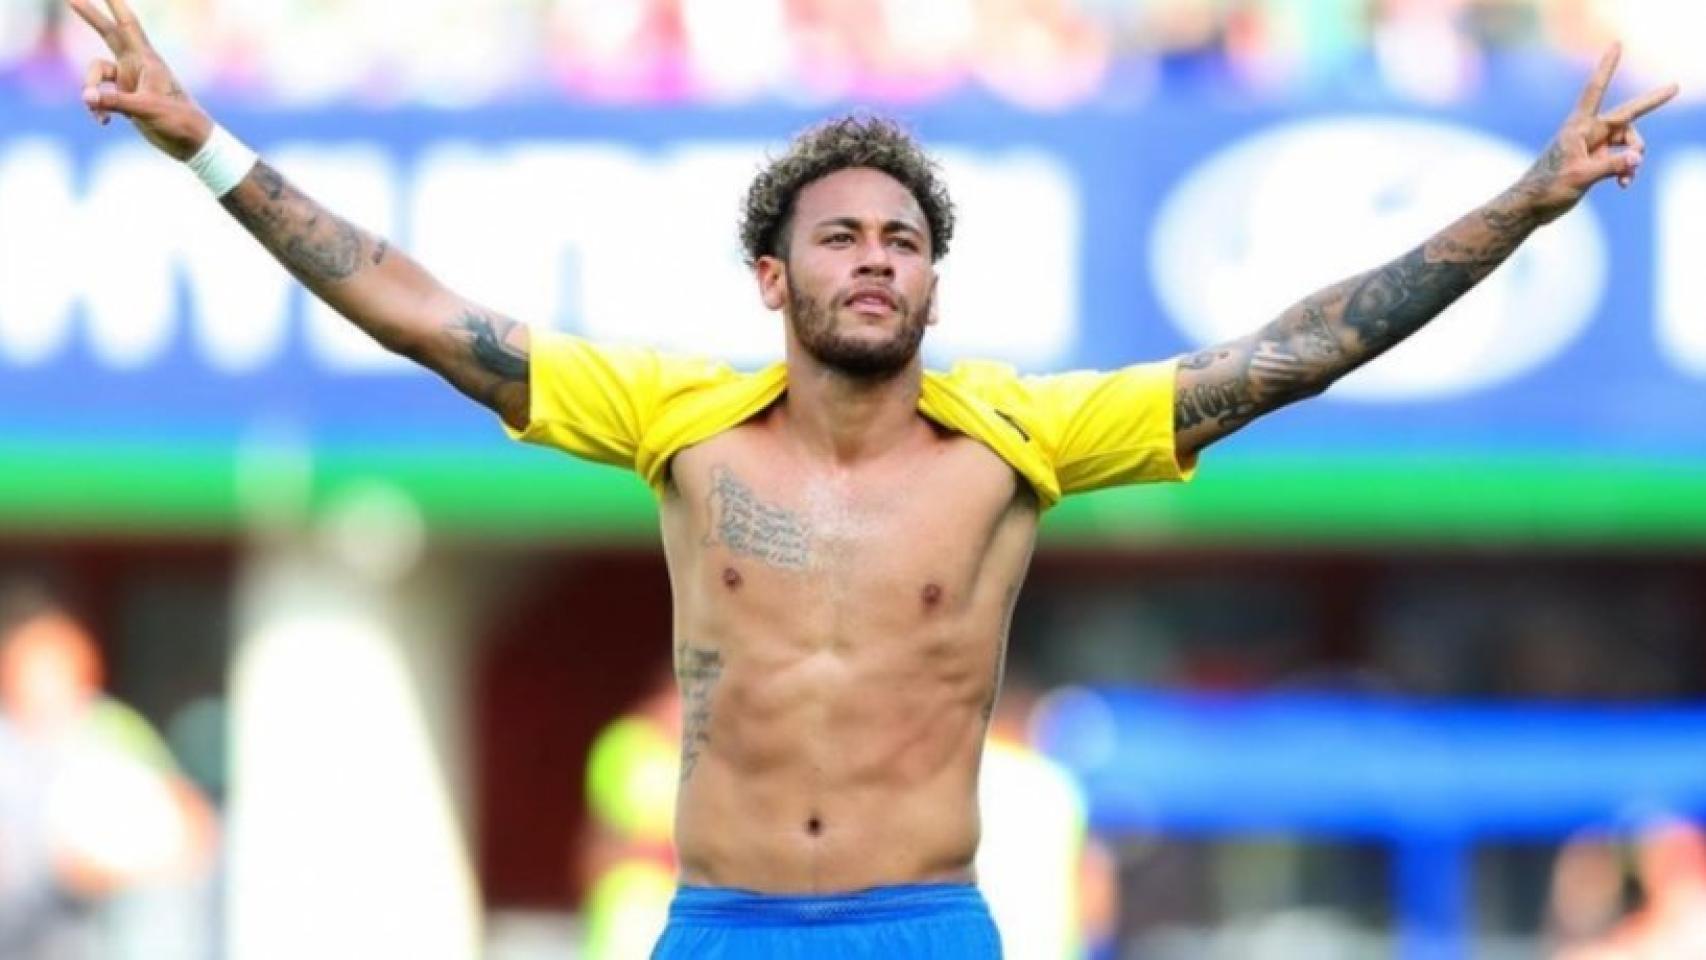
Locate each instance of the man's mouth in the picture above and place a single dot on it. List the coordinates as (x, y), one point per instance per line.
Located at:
(871, 300)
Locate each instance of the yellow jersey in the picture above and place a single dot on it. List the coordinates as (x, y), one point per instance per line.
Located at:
(635, 408)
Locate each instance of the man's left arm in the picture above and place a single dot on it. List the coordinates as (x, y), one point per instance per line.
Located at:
(1335, 330)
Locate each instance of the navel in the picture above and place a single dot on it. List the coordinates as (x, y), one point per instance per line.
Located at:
(731, 578)
(932, 595)
(814, 826)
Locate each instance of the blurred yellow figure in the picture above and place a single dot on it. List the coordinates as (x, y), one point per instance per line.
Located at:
(632, 772)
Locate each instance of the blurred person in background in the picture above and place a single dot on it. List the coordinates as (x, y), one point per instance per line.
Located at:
(1052, 886)
(1670, 922)
(1585, 899)
(629, 857)
(102, 841)
(846, 532)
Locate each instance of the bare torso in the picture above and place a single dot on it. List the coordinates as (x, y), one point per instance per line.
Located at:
(839, 634)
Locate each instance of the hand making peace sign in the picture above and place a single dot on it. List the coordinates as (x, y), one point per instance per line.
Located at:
(1591, 146)
(137, 83)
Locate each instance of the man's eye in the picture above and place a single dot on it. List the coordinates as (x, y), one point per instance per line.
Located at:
(905, 243)
(838, 238)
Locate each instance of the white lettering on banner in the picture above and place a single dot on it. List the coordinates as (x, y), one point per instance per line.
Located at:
(1290, 210)
(1010, 285)
(597, 238)
(239, 298)
(116, 248)
(129, 249)
(1681, 250)
(39, 259)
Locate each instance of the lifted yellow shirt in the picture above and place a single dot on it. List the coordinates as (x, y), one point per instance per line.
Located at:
(636, 408)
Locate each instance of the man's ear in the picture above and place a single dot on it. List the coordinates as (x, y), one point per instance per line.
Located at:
(935, 302)
(772, 274)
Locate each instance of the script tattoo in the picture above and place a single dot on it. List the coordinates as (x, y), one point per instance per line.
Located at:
(697, 670)
(315, 244)
(746, 525)
(1289, 359)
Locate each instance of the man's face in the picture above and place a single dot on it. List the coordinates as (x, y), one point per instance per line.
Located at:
(857, 284)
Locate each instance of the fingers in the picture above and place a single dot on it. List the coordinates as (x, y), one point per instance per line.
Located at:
(99, 72)
(1621, 165)
(1632, 110)
(1634, 145)
(1594, 93)
(99, 22)
(122, 13)
(113, 100)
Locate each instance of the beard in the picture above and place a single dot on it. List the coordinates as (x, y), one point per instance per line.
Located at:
(814, 326)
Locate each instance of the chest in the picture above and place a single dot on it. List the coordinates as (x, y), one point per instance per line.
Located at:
(932, 512)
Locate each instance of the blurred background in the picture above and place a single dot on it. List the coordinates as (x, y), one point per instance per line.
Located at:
(298, 657)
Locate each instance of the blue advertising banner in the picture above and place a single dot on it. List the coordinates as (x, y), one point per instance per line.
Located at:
(133, 312)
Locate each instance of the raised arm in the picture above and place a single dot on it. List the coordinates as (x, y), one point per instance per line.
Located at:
(1335, 330)
(378, 288)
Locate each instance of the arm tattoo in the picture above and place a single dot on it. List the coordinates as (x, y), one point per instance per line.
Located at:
(747, 525)
(1338, 329)
(316, 245)
(697, 670)
(388, 297)
(485, 364)
(1287, 360)
(490, 347)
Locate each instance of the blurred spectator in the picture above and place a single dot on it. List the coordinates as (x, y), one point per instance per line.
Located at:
(1037, 54)
(101, 840)
(1586, 896)
(632, 772)
(1670, 861)
(1052, 887)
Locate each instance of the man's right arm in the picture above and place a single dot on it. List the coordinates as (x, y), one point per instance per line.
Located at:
(379, 289)
(388, 295)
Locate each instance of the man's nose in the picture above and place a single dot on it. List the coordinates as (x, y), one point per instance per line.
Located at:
(874, 260)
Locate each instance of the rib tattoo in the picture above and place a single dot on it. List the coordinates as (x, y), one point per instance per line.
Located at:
(697, 670)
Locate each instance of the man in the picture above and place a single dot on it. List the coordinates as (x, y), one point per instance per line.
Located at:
(846, 532)
(102, 840)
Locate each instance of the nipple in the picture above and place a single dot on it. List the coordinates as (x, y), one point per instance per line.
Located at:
(731, 577)
(932, 594)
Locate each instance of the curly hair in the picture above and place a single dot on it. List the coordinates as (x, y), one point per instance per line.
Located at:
(839, 144)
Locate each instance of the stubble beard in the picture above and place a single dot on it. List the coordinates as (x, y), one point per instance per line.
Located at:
(814, 326)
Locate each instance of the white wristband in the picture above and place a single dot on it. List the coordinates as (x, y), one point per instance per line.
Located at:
(222, 162)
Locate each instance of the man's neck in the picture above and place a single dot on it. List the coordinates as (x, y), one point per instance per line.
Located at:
(847, 419)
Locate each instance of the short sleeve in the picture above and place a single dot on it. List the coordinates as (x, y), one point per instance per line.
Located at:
(1111, 427)
(596, 401)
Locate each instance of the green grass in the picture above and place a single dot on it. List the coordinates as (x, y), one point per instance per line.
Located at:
(53, 487)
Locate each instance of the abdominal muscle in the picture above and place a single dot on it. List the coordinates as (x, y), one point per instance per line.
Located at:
(836, 678)
(817, 779)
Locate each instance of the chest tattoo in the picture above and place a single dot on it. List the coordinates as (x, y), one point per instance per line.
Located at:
(746, 525)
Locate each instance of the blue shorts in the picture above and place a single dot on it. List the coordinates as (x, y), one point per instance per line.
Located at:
(939, 921)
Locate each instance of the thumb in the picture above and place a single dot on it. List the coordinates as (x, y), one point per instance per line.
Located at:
(133, 105)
